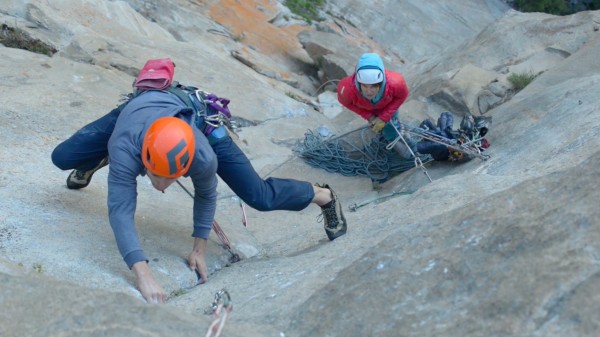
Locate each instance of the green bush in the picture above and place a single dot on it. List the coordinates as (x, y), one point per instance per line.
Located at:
(556, 7)
(308, 9)
(521, 80)
(16, 38)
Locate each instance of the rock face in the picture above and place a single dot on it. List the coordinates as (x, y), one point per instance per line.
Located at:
(516, 262)
(505, 247)
(414, 29)
(475, 79)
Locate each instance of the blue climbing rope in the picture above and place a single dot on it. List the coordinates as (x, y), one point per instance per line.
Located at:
(356, 153)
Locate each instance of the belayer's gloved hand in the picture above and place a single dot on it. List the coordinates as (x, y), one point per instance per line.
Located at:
(377, 124)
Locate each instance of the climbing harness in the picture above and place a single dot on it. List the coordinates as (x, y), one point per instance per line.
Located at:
(221, 308)
(220, 233)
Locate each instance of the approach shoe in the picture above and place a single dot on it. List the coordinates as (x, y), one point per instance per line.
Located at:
(333, 217)
(80, 179)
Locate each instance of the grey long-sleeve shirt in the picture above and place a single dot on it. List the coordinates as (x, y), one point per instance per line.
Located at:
(124, 148)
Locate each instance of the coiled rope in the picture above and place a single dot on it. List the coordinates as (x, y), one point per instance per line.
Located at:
(356, 153)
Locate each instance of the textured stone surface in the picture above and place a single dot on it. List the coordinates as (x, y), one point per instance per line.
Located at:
(506, 247)
(521, 262)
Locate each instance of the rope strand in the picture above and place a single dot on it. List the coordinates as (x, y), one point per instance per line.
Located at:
(355, 153)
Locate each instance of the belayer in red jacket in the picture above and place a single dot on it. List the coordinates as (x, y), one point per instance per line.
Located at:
(376, 94)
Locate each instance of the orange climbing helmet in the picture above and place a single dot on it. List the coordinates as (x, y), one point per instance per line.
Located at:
(168, 148)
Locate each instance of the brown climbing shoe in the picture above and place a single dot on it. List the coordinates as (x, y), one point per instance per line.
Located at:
(333, 217)
(80, 179)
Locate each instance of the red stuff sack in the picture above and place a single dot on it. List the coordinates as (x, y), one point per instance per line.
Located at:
(156, 74)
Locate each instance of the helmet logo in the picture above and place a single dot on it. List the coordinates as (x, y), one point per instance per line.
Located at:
(174, 163)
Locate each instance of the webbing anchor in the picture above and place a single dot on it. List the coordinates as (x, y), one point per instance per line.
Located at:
(418, 162)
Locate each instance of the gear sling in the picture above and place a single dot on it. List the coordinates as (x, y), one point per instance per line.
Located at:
(211, 111)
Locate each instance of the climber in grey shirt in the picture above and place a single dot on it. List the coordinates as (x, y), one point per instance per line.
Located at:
(143, 142)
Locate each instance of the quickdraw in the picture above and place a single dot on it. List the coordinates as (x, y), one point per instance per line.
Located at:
(212, 110)
(358, 205)
(221, 308)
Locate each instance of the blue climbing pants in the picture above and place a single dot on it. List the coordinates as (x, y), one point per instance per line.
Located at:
(87, 147)
(264, 195)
